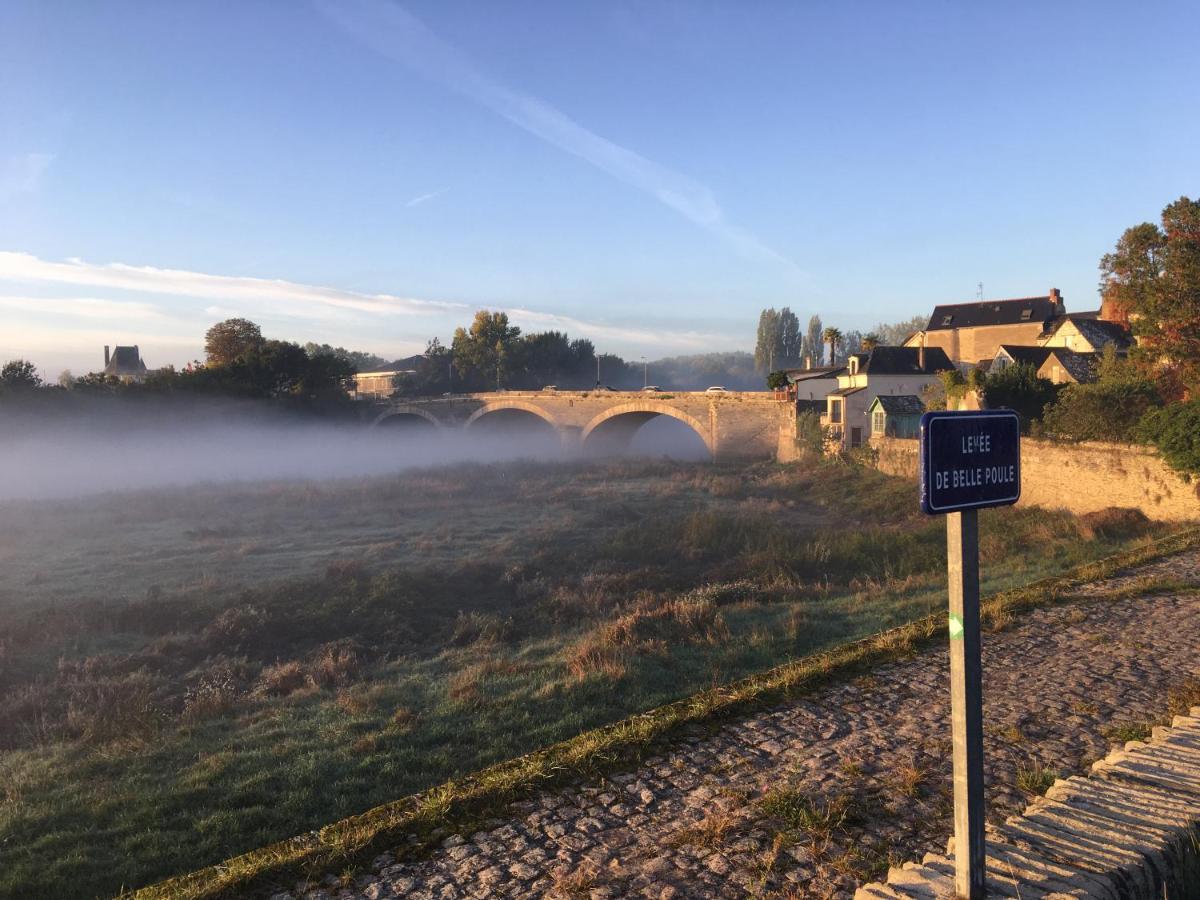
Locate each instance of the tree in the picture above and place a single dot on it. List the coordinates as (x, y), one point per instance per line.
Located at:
(362, 362)
(832, 337)
(19, 375)
(869, 342)
(1175, 430)
(790, 338)
(1020, 389)
(813, 341)
(777, 381)
(1153, 277)
(850, 342)
(895, 334)
(226, 341)
(484, 353)
(768, 348)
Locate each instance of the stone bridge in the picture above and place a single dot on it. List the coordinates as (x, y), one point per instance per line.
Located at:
(734, 424)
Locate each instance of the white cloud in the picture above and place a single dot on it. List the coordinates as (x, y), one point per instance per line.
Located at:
(399, 35)
(22, 173)
(24, 267)
(418, 200)
(83, 307)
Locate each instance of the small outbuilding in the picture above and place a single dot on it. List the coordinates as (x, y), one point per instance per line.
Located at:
(896, 415)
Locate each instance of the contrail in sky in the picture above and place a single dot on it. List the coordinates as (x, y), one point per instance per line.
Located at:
(399, 35)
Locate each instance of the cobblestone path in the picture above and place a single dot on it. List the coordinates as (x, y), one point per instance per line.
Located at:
(817, 795)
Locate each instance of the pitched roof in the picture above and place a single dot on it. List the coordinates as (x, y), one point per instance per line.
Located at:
(903, 361)
(994, 312)
(794, 375)
(1022, 355)
(125, 361)
(899, 404)
(1098, 332)
(1081, 366)
(845, 392)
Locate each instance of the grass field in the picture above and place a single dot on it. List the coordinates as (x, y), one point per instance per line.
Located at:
(188, 674)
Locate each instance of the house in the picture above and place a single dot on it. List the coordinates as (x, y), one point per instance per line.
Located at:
(124, 363)
(809, 387)
(884, 371)
(1058, 364)
(1086, 333)
(380, 383)
(895, 415)
(972, 332)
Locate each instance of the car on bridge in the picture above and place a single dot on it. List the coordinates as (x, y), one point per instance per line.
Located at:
(652, 389)
(716, 389)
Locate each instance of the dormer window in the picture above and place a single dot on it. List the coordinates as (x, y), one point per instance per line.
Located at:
(946, 320)
(854, 365)
(1026, 315)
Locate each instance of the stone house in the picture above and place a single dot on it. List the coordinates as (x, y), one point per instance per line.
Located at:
(884, 371)
(809, 387)
(1086, 333)
(896, 415)
(1058, 364)
(972, 332)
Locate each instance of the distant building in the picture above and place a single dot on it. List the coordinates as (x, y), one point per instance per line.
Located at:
(380, 383)
(809, 387)
(1086, 333)
(1058, 364)
(884, 371)
(972, 332)
(124, 363)
(896, 415)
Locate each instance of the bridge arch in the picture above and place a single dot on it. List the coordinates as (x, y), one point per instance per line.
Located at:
(619, 423)
(513, 404)
(407, 410)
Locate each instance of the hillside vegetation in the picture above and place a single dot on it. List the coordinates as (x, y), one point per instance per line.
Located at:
(185, 675)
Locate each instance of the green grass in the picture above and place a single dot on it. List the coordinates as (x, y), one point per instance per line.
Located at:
(169, 715)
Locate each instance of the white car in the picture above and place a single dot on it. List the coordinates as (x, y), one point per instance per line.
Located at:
(652, 388)
(716, 389)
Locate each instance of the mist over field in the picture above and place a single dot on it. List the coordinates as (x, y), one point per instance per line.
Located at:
(62, 459)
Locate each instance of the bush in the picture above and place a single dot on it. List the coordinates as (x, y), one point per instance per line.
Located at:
(1175, 431)
(1020, 389)
(1106, 410)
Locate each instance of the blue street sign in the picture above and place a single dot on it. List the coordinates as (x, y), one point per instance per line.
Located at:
(969, 460)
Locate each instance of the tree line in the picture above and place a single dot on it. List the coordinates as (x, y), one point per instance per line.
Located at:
(781, 344)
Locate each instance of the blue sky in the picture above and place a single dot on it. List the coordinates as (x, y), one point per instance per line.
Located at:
(648, 174)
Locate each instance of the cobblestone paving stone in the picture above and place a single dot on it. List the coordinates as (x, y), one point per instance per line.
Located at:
(870, 757)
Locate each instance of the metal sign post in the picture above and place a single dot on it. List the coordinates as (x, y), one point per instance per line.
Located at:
(969, 460)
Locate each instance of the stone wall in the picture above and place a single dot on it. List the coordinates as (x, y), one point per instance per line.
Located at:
(1081, 478)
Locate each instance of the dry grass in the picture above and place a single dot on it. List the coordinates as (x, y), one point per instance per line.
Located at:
(709, 832)
(1035, 779)
(908, 777)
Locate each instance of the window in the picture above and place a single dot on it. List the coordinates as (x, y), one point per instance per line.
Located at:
(1026, 315)
(835, 412)
(854, 365)
(946, 320)
(878, 421)
(855, 437)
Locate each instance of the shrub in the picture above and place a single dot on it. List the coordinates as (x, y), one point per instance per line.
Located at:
(104, 711)
(1020, 389)
(1114, 523)
(1175, 431)
(473, 627)
(213, 694)
(282, 679)
(1106, 410)
(334, 664)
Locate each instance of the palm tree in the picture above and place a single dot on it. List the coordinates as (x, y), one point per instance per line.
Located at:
(833, 337)
(870, 342)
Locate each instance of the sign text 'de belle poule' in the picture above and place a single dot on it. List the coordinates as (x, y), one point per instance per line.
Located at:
(969, 460)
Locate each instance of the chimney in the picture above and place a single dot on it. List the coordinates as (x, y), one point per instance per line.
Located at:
(921, 353)
(1056, 300)
(106, 356)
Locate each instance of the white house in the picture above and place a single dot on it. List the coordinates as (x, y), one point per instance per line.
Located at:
(883, 371)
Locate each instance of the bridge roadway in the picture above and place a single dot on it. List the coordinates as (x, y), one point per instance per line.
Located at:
(734, 424)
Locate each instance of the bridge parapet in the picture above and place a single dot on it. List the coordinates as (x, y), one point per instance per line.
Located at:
(753, 424)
